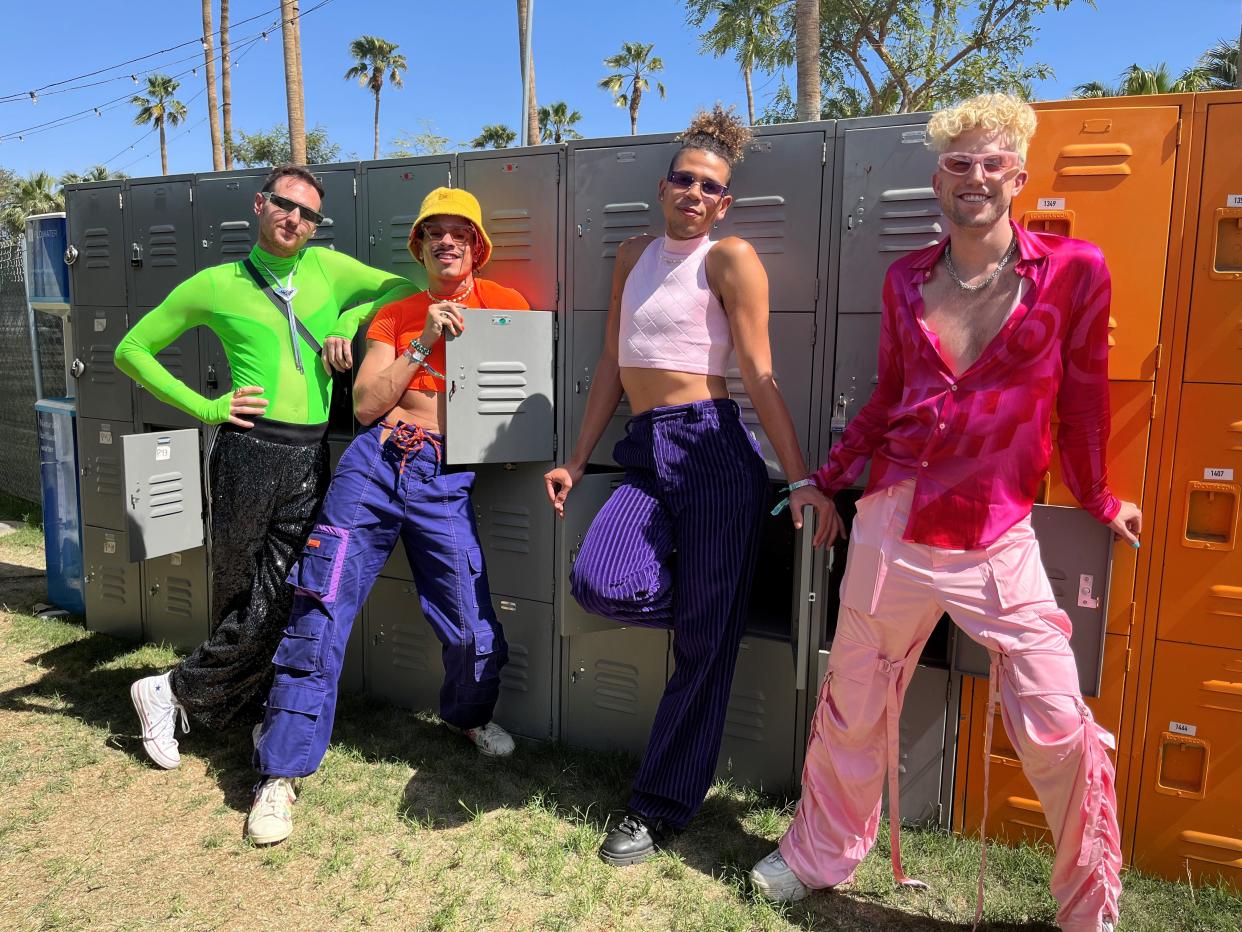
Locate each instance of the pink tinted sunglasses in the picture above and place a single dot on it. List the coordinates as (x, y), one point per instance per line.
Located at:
(994, 163)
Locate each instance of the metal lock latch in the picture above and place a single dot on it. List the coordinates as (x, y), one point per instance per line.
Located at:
(76, 368)
(71, 255)
(135, 255)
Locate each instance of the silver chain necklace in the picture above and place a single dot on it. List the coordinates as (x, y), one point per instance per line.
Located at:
(948, 261)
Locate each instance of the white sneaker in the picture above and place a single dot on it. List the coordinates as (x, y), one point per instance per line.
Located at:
(773, 878)
(271, 813)
(490, 739)
(157, 710)
(1108, 925)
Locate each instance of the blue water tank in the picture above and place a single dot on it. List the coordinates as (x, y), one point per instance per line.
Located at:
(46, 240)
(62, 523)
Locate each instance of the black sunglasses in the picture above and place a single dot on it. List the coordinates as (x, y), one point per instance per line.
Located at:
(280, 202)
(684, 181)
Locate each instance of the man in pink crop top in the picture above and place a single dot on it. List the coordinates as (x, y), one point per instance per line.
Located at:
(981, 335)
(675, 545)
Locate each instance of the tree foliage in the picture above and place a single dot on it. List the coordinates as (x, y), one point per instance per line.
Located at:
(272, 147)
(427, 141)
(556, 122)
(635, 64)
(750, 29)
(37, 193)
(1139, 80)
(494, 136)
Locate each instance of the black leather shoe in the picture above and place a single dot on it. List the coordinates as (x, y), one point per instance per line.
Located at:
(634, 840)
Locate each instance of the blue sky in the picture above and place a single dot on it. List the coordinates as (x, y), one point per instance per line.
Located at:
(464, 68)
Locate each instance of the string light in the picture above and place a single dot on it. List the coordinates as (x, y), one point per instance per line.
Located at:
(34, 97)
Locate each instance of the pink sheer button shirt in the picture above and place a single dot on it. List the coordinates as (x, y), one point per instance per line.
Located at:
(979, 443)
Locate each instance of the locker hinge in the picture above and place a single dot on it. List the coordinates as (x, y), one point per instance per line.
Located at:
(556, 444)
(1151, 415)
(1129, 651)
(814, 331)
(355, 180)
(120, 200)
(558, 294)
(1159, 355)
(556, 331)
(450, 179)
(192, 196)
(823, 156)
(1179, 131)
(1130, 627)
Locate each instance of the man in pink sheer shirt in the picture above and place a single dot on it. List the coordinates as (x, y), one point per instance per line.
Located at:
(981, 335)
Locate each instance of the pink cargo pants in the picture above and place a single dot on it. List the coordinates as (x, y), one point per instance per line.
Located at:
(891, 597)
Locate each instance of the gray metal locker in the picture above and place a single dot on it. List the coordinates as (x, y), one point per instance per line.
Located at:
(103, 391)
(394, 192)
(856, 374)
(163, 492)
(159, 226)
(888, 207)
(587, 334)
(176, 594)
(1077, 553)
(339, 229)
(96, 253)
(114, 594)
(516, 526)
(611, 688)
(584, 502)
(521, 196)
(213, 364)
(401, 654)
(182, 358)
(526, 683)
(761, 723)
(793, 364)
(928, 715)
(225, 227)
(500, 373)
(102, 473)
(613, 195)
(777, 189)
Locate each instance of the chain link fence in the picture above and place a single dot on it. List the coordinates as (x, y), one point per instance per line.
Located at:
(19, 441)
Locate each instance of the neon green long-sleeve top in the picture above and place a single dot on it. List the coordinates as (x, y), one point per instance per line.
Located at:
(335, 293)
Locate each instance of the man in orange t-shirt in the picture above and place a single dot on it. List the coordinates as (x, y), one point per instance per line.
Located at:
(391, 482)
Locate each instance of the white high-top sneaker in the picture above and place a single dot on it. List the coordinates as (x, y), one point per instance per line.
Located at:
(157, 710)
(271, 813)
(490, 739)
(775, 880)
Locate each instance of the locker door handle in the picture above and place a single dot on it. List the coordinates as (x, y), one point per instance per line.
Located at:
(71, 255)
(802, 632)
(76, 368)
(135, 255)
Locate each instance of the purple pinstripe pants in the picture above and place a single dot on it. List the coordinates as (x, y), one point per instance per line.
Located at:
(675, 547)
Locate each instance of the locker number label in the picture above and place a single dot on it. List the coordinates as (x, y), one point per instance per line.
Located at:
(105, 436)
(1086, 589)
(1052, 203)
(501, 321)
(101, 324)
(1181, 728)
(109, 546)
(1233, 200)
(1220, 475)
(163, 452)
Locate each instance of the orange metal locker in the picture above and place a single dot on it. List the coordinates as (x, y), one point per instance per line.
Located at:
(1105, 174)
(1190, 803)
(1214, 349)
(1014, 813)
(1131, 409)
(1201, 597)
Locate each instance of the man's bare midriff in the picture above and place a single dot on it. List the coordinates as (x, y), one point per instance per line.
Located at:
(420, 407)
(654, 388)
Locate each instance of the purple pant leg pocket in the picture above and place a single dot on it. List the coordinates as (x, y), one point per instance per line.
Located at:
(318, 570)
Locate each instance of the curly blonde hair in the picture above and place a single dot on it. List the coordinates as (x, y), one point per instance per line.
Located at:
(718, 131)
(1001, 113)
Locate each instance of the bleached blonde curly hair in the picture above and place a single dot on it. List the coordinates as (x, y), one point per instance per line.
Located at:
(1002, 113)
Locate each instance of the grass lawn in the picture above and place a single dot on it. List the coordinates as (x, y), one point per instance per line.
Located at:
(406, 827)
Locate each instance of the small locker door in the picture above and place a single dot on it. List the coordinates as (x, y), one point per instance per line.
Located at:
(500, 388)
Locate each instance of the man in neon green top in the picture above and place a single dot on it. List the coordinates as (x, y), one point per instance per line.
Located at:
(286, 316)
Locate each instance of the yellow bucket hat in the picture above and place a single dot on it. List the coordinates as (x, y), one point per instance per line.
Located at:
(455, 202)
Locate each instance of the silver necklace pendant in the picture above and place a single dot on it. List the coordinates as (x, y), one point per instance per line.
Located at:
(285, 294)
(957, 279)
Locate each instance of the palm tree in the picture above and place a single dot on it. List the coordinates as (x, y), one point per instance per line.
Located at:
(293, 80)
(226, 85)
(375, 57)
(626, 85)
(1219, 65)
(556, 122)
(213, 102)
(34, 194)
(749, 28)
(1137, 80)
(806, 40)
(94, 173)
(532, 114)
(494, 136)
(160, 108)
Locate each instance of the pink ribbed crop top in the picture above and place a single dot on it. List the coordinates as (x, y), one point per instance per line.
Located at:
(670, 319)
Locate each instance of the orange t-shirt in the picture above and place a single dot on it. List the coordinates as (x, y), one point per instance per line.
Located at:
(402, 321)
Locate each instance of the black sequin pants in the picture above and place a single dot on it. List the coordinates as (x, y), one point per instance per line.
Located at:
(264, 498)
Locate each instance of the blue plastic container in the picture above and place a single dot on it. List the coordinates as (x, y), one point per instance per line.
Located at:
(62, 523)
(46, 239)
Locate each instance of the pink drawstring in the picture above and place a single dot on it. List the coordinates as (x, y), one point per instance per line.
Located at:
(409, 439)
